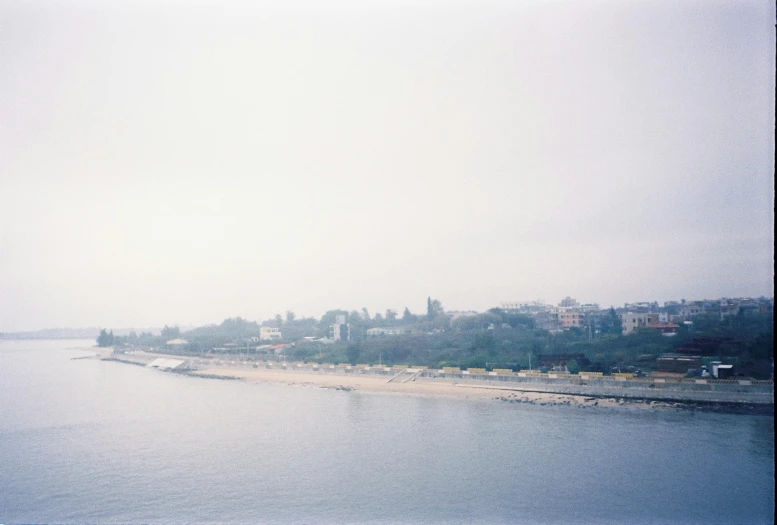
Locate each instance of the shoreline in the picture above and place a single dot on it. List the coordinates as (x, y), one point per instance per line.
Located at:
(431, 388)
(450, 388)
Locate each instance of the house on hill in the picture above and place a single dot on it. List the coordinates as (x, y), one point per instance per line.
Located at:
(375, 332)
(667, 329)
(269, 333)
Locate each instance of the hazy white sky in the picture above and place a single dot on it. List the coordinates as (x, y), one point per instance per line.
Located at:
(183, 162)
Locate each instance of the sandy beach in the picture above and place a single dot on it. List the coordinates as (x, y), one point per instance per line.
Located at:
(420, 387)
(497, 391)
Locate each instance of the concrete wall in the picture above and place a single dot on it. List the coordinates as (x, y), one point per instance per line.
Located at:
(726, 391)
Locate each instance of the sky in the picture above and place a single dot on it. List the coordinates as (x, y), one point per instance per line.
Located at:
(184, 162)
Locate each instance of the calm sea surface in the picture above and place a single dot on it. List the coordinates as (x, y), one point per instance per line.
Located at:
(86, 441)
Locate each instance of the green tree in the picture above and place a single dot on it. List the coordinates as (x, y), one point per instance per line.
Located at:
(408, 317)
(484, 342)
(353, 351)
(763, 346)
(611, 323)
(434, 308)
(303, 352)
(358, 325)
(171, 332)
(105, 338)
(290, 316)
(516, 320)
(476, 322)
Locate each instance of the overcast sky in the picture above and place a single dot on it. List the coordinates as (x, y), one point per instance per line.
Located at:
(184, 162)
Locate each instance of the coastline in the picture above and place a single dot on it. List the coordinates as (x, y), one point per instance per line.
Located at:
(433, 387)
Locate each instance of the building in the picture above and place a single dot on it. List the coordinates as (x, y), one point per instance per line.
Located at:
(163, 363)
(278, 349)
(728, 309)
(375, 332)
(268, 333)
(589, 308)
(547, 320)
(749, 309)
(710, 346)
(525, 307)
(630, 321)
(514, 305)
(721, 370)
(732, 307)
(678, 363)
(568, 318)
(690, 310)
(341, 331)
(667, 329)
(641, 307)
(568, 302)
(710, 308)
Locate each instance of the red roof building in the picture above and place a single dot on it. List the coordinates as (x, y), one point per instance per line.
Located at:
(665, 328)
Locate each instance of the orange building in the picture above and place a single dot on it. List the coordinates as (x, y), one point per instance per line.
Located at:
(568, 318)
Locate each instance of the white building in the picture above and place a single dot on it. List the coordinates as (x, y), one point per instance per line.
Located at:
(590, 307)
(568, 302)
(631, 321)
(268, 333)
(522, 305)
(341, 331)
(163, 363)
(373, 332)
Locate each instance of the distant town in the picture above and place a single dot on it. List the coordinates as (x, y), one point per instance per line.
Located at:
(718, 338)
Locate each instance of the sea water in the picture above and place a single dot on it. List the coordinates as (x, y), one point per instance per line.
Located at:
(88, 441)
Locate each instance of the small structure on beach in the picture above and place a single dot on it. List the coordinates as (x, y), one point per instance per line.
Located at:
(163, 363)
(721, 370)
